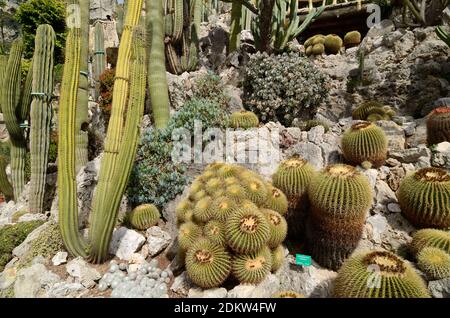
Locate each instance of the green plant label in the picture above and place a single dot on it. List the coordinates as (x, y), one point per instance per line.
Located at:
(304, 260)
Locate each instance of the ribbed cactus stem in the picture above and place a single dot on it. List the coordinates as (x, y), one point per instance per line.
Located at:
(81, 139)
(121, 139)
(235, 29)
(99, 52)
(67, 188)
(40, 114)
(11, 107)
(157, 80)
(3, 66)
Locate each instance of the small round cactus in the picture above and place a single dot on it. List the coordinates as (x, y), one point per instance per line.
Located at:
(277, 257)
(365, 109)
(255, 190)
(227, 171)
(424, 198)
(430, 238)
(434, 262)
(144, 216)
(318, 49)
(293, 176)
(309, 124)
(203, 210)
(184, 211)
(189, 232)
(252, 268)
(333, 44)
(244, 119)
(288, 294)
(276, 200)
(365, 142)
(215, 231)
(340, 197)
(235, 192)
(438, 126)
(222, 207)
(277, 227)
(378, 274)
(352, 39)
(207, 264)
(213, 185)
(247, 229)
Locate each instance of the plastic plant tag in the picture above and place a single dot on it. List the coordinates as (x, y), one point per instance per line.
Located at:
(304, 260)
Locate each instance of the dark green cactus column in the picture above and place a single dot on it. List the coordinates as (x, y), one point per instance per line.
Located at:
(99, 54)
(122, 135)
(83, 89)
(67, 187)
(157, 80)
(40, 113)
(15, 106)
(235, 29)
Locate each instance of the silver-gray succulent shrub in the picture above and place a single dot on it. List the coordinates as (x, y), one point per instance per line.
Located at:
(283, 87)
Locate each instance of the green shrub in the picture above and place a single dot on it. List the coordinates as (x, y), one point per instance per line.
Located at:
(11, 236)
(283, 87)
(106, 92)
(209, 86)
(155, 178)
(32, 13)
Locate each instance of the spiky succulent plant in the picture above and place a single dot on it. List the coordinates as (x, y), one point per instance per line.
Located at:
(222, 208)
(364, 142)
(378, 274)
(333, 44)
(352, 38)
(288, 294)
(244, 119)
(438, 126)
(434, 262)
(215, 231)
(143, 216)
(277, 227)
(424, 197)
(188, 234)
(247, 229)
(252, 268)
(340, 197)
(293, 176)
(276, 200)
(277, 257)
(184, 211)
(207, 264)
(430, 238)
(365, 109)
(255, 189)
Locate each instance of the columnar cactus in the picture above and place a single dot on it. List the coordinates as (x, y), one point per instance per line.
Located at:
(157, 81)
(236, 27)
(364, 142)
(81, 138)
(99, 63)
(15, 107)
(438, 126)
(340, 197)
(120, 143)
(424, 198)
(378, 274)
(40, 113)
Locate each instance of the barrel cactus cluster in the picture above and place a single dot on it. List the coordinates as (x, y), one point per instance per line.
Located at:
(364, 141)
(430, 238)
(378, 274)
(424, 197)
(331, 43)
(231, 225)
(438, 126)
(373, 111)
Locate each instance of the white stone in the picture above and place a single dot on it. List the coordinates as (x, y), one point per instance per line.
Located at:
(32, 281)
(394, 208)
(125, 242)
(443, 147)
(59, 258)
(207, 293)
(157, 240)
(84, 274)
(379, 226)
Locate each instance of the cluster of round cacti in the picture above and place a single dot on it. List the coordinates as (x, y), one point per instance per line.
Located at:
(231, 224)
(364, 142)
(424, 197)
(378, 274)
(309, 124)
(340, 197)
(431, 248)
(373, 111)
(143, 216)
(331, 43)
(145, 281)
(244, 119)
(438, 126)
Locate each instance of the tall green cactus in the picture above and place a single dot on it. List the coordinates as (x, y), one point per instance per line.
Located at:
(81, 138)
(99, 64)
(40, 113)
(443, 35)
(120, 143)
(15, 107)
(236, 27)
(157, 81)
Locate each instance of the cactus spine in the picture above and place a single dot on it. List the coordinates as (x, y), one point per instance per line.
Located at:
(157, 81)
(434, 262)
(430, 238)
(424, 198)
(81, 138)
(15, 107)
(99, 53)
(340, 197)
(41, 114)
